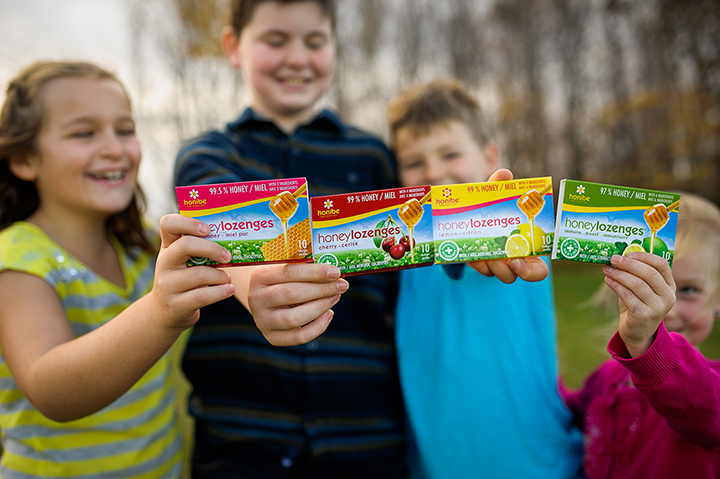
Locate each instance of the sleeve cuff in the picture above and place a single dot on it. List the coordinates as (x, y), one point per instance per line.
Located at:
(653, 367)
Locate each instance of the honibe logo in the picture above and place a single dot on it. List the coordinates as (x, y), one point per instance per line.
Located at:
(329, 210)
(580, 190)
(194, 199)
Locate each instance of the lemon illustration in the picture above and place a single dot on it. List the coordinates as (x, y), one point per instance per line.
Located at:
(517, 246)
(632, 247)
(537, 234)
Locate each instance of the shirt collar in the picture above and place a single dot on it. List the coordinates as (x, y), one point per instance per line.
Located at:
(325, 121)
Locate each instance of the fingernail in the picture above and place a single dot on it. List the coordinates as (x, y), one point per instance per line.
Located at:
(616, 259)
(607, 269)
(204, 229)
(231, 288)
(226, 256)
(333, 272)
(335, 299)
(342, 285)
(514, 264)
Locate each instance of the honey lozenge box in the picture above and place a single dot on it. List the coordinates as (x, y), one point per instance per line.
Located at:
(493, 220)
(264, 221)
(595, 221)
(373, 231)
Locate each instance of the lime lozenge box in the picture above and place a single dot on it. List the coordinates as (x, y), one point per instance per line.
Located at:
(595, 221)
(265, 221)
(493, 220)
(373, 231)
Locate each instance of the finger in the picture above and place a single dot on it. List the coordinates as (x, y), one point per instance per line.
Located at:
(481, 267)
(495, 267)
(197, 298)
(647, 272)
(187, 247)
(502, 174)
(301, 335)
(296, 273)
(187, 279)
(290, 294)
(174, 226)
(530, 269)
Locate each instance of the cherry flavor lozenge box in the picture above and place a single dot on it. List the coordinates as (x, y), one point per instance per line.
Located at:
(373, 231)
(264, 221)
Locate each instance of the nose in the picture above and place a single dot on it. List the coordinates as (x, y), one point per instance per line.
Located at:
(434, 171)
(297, 54)
(111, 145)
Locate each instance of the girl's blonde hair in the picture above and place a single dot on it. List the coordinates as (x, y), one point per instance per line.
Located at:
(21, 119)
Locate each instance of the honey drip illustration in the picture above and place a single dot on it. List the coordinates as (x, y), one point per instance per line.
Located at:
(656, 217)
(284, 205)
(531, 203)
(410, 213)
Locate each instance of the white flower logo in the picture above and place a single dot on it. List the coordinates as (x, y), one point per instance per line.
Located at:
(328, 204)
(194, 194)
(580, 190)
(447, 192)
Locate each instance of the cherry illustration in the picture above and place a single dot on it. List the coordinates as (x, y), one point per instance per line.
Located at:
(397, 251)
(405, 241)
(388, 243)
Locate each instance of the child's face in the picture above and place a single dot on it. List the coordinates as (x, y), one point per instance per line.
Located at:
(87, 153)
(693, 313)
(287, 54)
(447, 153)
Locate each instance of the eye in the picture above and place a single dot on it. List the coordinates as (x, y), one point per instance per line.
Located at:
(316, 42)
(82, 134)
(128, 130)
(688, 290)
(411, 164)
(275, 40)
(452, 155)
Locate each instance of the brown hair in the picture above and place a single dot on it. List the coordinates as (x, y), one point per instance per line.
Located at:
(242, 11)
(419, 107)
(21, 119)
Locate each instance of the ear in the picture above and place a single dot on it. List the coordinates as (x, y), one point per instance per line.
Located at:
(24, 167)
(492, 157)
(230, 43)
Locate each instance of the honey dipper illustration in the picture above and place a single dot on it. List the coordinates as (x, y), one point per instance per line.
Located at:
(530, 203)
(656, 217)
(410, 213)
(284, 205)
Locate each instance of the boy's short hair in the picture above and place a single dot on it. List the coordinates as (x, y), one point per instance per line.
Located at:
(241, 12)
(419, 107)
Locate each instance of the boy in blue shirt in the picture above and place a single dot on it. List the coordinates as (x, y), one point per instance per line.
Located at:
(477, 358)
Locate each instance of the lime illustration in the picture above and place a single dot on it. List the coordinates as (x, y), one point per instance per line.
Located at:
(328, 259)
(658, 248)
(517, 246)
(570, 248)
(633, 247)
(448, 250)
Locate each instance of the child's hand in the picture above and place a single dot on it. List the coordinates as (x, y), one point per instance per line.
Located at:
(646, 291)
(291, 302)
(180, 291)
(528, 269)
(532, 268)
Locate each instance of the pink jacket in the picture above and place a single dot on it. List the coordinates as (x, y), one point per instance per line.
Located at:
(655, 416)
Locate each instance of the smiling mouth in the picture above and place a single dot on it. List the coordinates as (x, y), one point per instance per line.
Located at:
(295, 81)
(108, 175)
